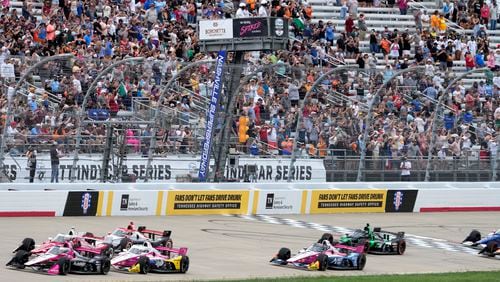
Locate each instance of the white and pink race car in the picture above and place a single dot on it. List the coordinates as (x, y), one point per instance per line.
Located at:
(146, 258)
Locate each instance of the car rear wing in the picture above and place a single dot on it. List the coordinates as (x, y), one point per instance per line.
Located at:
(180, 251)
(398, 235)
(153, 233)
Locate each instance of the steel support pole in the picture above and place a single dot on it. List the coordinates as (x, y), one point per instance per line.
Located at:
(230, 115)
(81, 114)
(300, 113)
(19, 83)
(369, 117)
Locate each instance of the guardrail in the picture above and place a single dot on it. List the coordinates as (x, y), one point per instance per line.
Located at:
(199, 199)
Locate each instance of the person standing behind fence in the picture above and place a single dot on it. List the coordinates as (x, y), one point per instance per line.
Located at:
(405, 169)
(31, 155)
(54, 161)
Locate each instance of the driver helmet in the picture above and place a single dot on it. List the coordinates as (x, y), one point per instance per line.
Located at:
(131, 226)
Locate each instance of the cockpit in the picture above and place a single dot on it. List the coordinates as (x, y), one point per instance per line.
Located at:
(57, 250)
(318, 247)
(138, 250)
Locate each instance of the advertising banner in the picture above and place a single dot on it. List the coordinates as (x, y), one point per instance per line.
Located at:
(165, 169)
(400, 200)
(280, 202)
(207, 202)
(81, 203)
(250, 27)
(133, 203)
(339, 201)
(215, 30)
(279, 27)
(212, 111)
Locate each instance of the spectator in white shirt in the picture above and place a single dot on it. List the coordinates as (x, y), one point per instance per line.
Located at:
(263, 8)
(242, 11)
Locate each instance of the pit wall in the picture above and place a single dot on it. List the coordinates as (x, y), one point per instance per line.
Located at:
(135, 199)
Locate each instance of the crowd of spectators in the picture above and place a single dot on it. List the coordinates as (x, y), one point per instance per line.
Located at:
(103, 31)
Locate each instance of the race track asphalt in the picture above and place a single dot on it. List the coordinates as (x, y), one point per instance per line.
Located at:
(230, 247)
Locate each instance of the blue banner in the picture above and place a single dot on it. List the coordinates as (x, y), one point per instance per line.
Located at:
(212, 111)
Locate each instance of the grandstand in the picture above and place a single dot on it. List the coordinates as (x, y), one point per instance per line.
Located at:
(112, 139)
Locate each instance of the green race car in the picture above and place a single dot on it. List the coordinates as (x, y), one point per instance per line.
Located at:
(376, 241)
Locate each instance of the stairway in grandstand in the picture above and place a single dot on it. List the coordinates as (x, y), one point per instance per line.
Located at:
(37, 8)
(378, 17)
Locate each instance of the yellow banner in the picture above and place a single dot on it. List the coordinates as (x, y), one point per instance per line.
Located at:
(339, 201)
(207, 202)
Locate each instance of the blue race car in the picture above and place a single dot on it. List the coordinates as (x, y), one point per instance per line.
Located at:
(490, 245)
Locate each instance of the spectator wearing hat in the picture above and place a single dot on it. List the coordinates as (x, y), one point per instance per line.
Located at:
(242, 11)
(263, 9)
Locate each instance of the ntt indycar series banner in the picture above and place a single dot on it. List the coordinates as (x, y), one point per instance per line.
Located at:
(212, 111)
(166, 169)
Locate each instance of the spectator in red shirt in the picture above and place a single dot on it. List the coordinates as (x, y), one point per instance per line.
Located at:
(349, 24)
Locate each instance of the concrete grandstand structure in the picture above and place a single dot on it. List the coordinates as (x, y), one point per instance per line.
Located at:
(122, 134)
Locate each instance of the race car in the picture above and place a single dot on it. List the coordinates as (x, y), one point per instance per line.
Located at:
(490, 245)
(62, 260)
(85, 240)
(123, 238)
(322, 256)
(146, 258)
(376, 241)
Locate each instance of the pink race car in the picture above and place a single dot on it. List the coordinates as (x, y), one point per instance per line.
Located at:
(62, 260)
(322, 256)
(146, 258)
(86, 241)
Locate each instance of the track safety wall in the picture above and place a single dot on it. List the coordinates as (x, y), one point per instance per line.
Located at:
(136, 199)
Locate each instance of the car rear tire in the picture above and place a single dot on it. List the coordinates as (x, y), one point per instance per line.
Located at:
(89, 234)
(184, 264)
(323, 262)
(28, 244)
(401, 247)
(125, 244)
(361, 261)
(107, 251)
(64, 265)
(284, 254)
(143, 265)
(473, 237)
(105, 266)
(168, 243)
(491, 248)
(326, 236)
(365, 244)
(20, 258)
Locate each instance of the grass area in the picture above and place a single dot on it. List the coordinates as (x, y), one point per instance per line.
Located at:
(484, 276)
